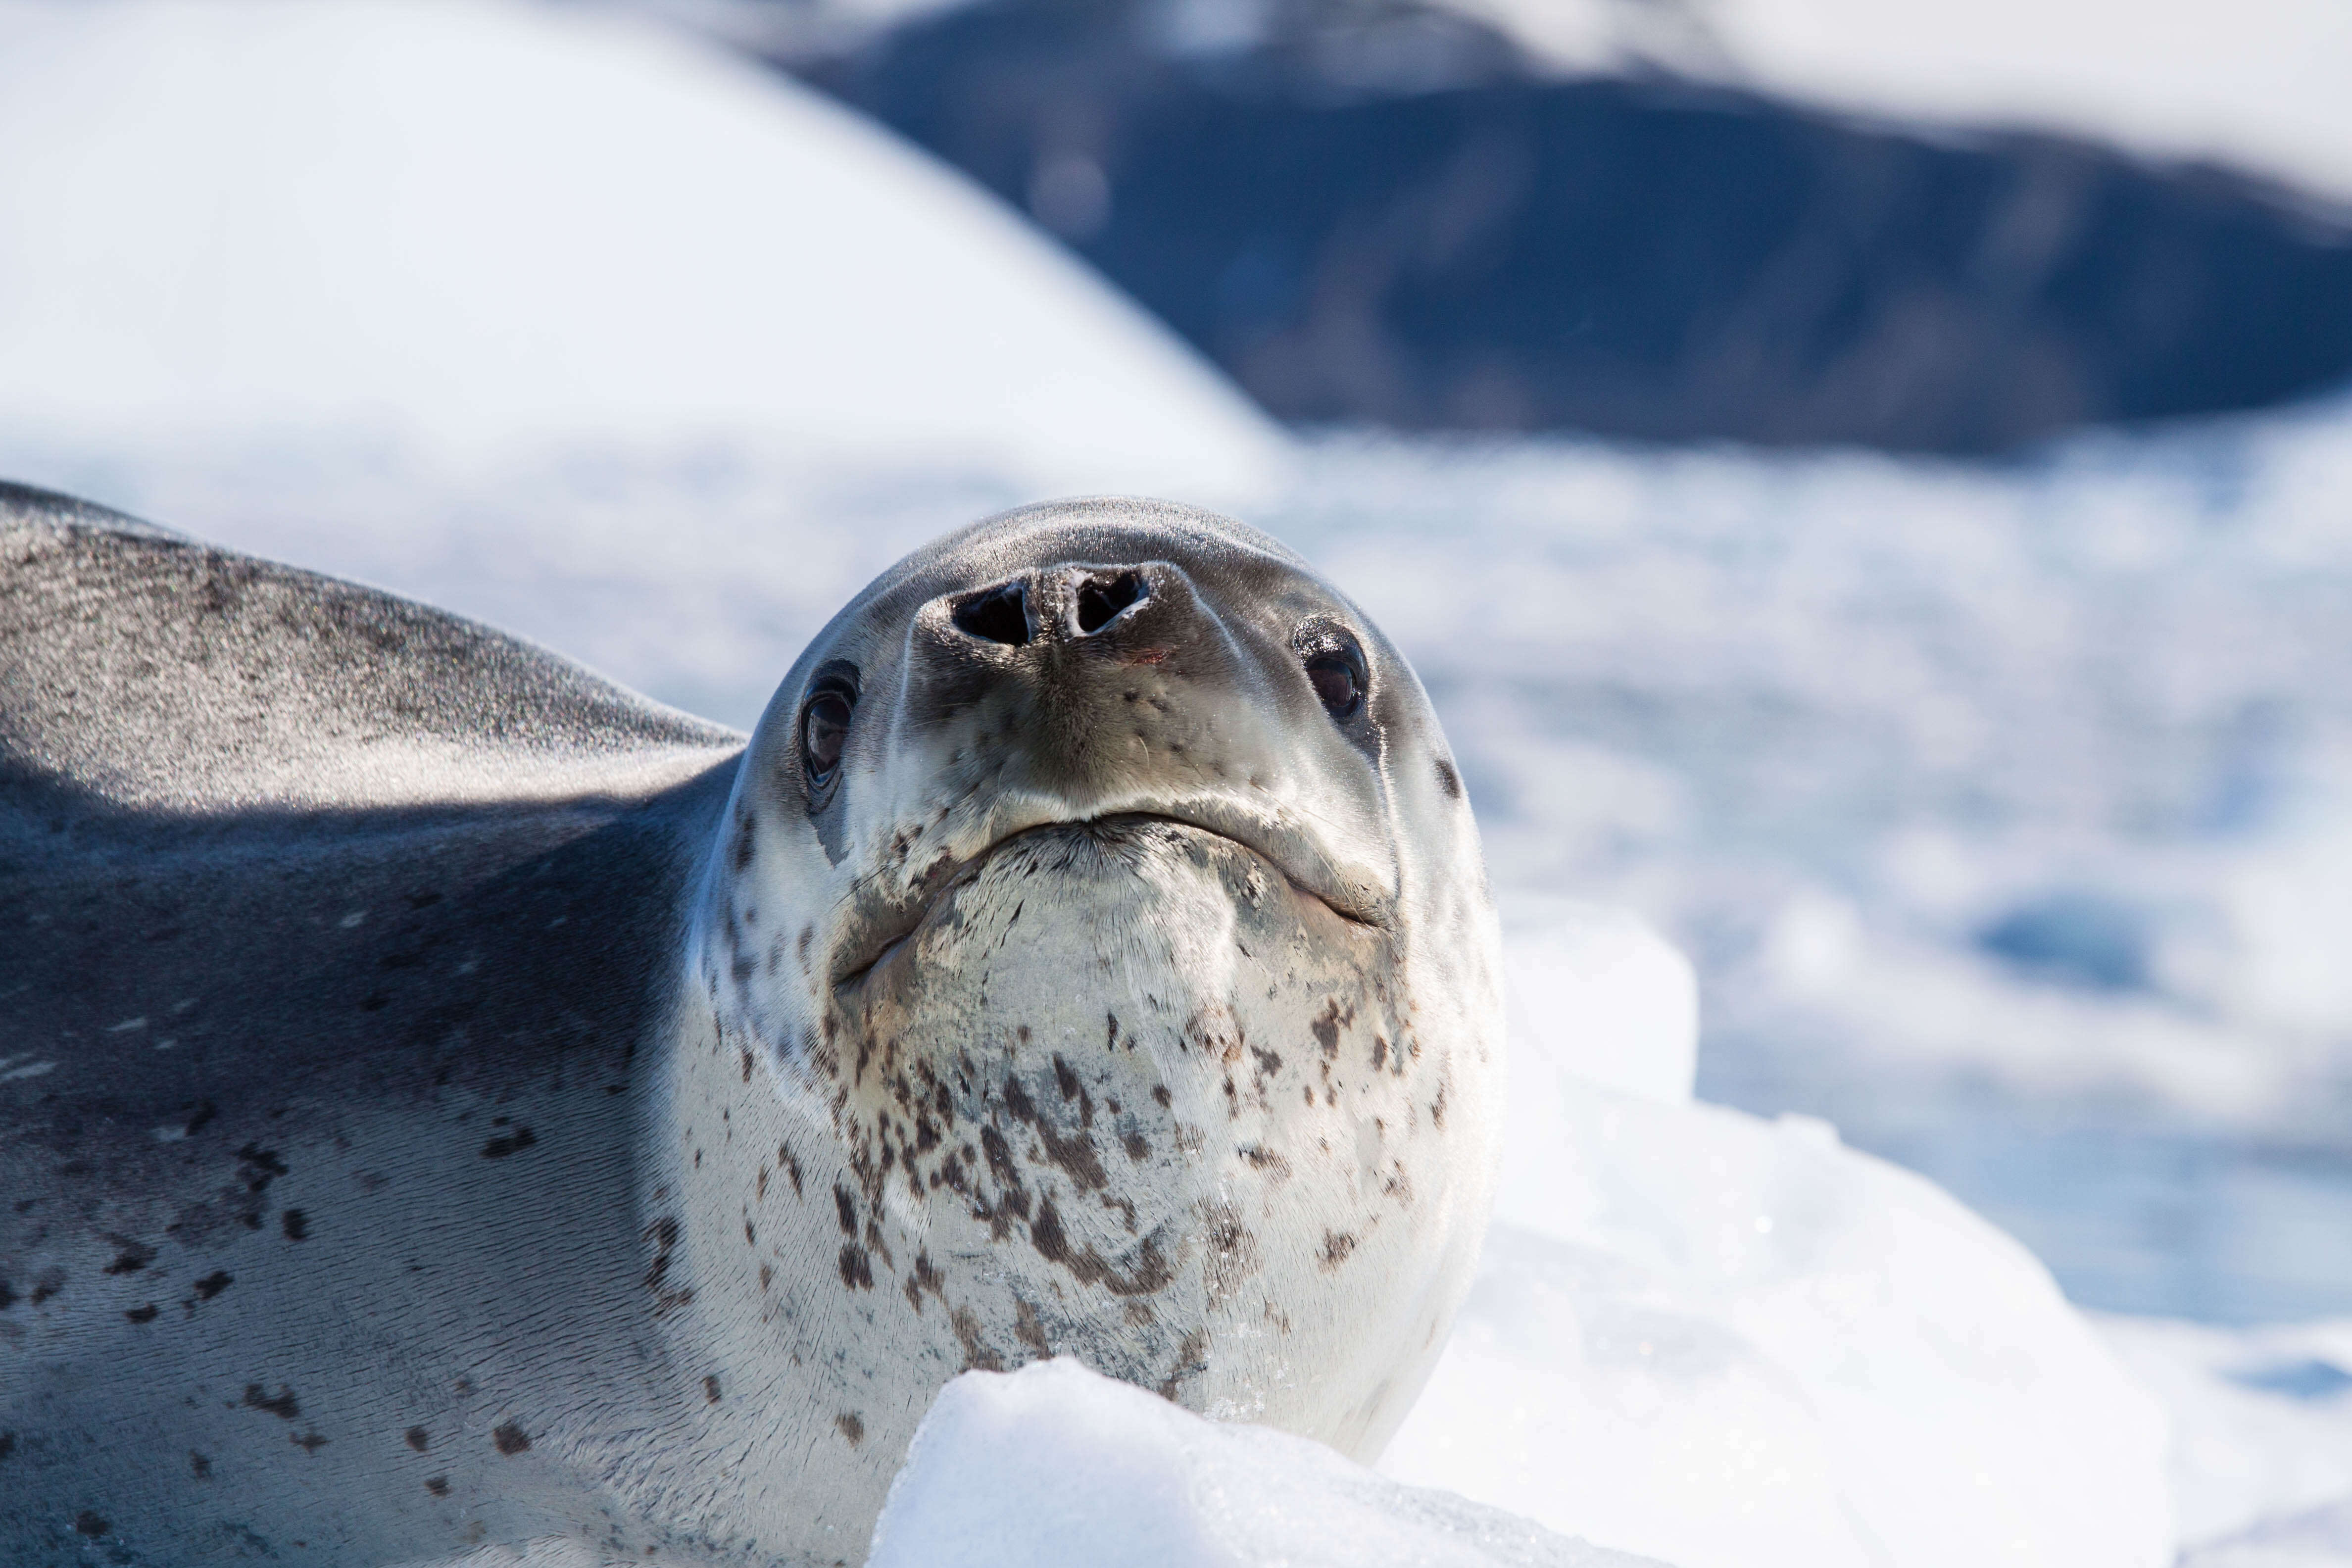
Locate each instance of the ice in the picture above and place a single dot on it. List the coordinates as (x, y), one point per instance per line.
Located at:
(1057, 1466)
(1721, 1340)
(467, 230)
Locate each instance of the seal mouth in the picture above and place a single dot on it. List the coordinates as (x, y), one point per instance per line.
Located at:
(886, 932)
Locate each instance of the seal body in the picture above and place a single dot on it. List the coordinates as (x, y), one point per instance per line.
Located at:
(451, 1103)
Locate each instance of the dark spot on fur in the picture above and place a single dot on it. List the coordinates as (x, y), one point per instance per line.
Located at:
(710, 1389)
(437, 1485)
(1159, 1094)
(213, 1284)
(926, 1276)
(1135, 1147)
(1150, 1273)
(132, 1258)
(376, 1001)
(146, 1314)
(309, 1442)
(1337, 1245)
(280, 1404)
(89, 1524)
(201, 1118)
(1029, 1329)
(7, 1444)
(846, 1208)
(258, 1166)
(856, 1267)
(295, 1223)
(7, 1296)
(976, 1353)
(663, 1233)
(1448, 780)
(1268, 1062)
(511, 1438)
(1437, 1109)
(1326, 1027)
(199, 1466)
(852, 1428)
(1379, 1052)
(1264, 1159)
(1000, 1159)
(1192, 1359)
(418, 1439)
(507, 1143)
(1064, 1078)
(1017, 1100)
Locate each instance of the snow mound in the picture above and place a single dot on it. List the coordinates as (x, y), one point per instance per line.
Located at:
(1722, 1341)
(1057, 1466)
(1599, 992)
(463, 227)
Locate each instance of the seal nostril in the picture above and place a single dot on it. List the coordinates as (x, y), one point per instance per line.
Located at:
(1100, 600)
(1000, 616)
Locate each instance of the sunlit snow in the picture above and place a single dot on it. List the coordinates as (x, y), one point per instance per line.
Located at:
(471, 228)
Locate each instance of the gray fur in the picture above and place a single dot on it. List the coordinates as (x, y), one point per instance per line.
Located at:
(445, 1105)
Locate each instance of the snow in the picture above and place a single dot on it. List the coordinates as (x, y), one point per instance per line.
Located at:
(1716, 1339)
(465, 230)
(1055, 1467)
(1598, 991)
(2259, 84)
(2262, 1421)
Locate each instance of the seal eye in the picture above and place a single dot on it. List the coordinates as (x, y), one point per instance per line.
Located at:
(1337, 683)
(825, 729)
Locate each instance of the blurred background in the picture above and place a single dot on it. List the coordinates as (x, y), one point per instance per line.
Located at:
(1868, 483)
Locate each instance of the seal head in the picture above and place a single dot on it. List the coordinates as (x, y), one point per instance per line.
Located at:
(1099, 908)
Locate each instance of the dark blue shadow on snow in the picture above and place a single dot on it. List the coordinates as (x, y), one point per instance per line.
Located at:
(2311, 1379)
(2073, 939)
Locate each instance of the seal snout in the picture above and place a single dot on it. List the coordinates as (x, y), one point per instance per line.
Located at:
(1060, 603)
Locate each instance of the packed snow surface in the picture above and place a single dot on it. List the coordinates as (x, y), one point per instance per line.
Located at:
(1055, 1467)
(469, 226)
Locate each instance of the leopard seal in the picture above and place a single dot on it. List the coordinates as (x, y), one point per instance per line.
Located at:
(450, 1104)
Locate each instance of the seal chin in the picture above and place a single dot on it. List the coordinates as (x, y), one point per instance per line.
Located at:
(877, 932)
